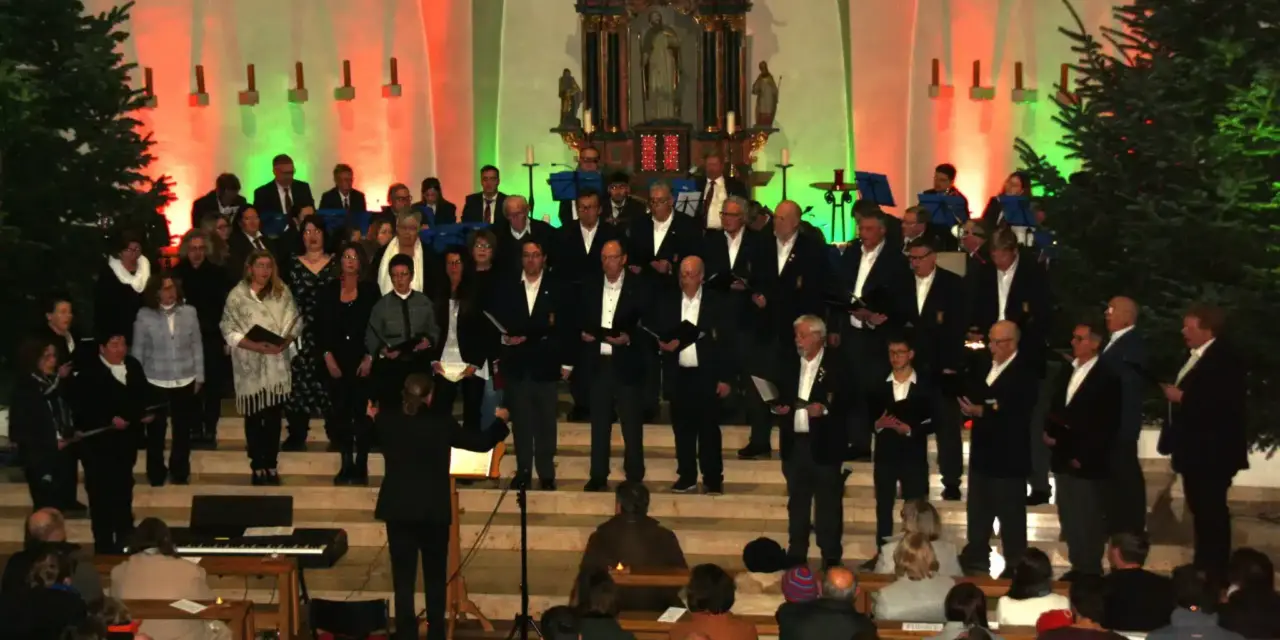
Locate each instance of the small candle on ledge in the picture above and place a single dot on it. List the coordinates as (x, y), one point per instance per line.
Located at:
(731, 122)
(147, 84)
(935, 76)
(839, 178)
(977, 73)
(395, 71)
(786, 157)
(297, 72)
(620, 568)
(218, 601)
(199, 78)
(528, 154)
(253, 78)
(587, 125)
(1063, 78)
(346, 73)
(1017, 75)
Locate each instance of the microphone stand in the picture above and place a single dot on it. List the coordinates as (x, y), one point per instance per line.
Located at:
(529, 166)
(523, 623)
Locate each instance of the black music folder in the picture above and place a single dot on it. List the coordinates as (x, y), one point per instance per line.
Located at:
(265, 336)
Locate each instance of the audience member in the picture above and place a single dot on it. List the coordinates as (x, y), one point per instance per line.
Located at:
(1137, 599)
(800, 585)
(832, 615)
(47, 603)
(598, 607)
(765, 561)
(1197, 612)
(46, 532)
(965, 609)
(155, 572)
(559, 623)
(633, 539)
(918, 592)
(1252, 608)
(1088, 606)
(710, 596)
(1030, 592)
(919, 516)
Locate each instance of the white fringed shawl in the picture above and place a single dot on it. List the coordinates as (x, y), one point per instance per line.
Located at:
(261, 381)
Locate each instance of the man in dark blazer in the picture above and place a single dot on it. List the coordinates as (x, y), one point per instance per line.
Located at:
(944, 184)
(715, 188)
(435, 209)
(510, 237)
(1205, 432)
(1084, 419)
(225, 200)
(577, 260)
(607, 356)
(791, 272)
(696, 371)
(485, 206)
(874, 276)
(588, 162)
(1000, 401)
(1126, 353)
(283, 195)
(343, 195)
(812, 402)
(832, 614)
(935, 322)
(622, 209)
(527, 308)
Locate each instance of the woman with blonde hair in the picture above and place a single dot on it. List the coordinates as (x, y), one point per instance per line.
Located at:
(919, 516)
(260, 360)
(216, 230)
(919, 592)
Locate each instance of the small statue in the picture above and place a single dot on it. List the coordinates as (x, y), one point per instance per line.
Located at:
(766, 92)
(660, 67)
(570, 100)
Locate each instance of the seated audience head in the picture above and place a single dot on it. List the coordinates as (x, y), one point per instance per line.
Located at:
(46, 525)
(516, 209)
(764, 555)
(632, 499)
(920, 516)
(489, 179)
(799, 584)
(661, 200)
(110, 612)
(480, 243)
(810, 335)
(49, 569)
(1201, 324)
(786, 220)
(1128, 551)
(532, 256)
(839, 583)
(597, 594)
(432, 193)
(1032, 576)
(343, 177)
(560, 623)
(1088, 596)
(1250, 570)
(871, 231)
(1193, 591)
(1004, 249)
(1121, 312)
(944, 176)
(283, 170)
(152, 534)
(710, 590)
(966, 604)
(416, 392)
(914, 558)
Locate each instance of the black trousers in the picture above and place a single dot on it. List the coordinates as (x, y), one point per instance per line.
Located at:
(217, 379)
(471, 389)
(894, 467)
(533, 424)
(1040, 456)
(108, 479)
(348, 421)
(695, 421)
(868, 359)
(1083, 520)
(759, 358)
(1206, 494)
(262, 437)
(48, 479)
(991, 499)
(405, 540)
(817, 488)
(183, 410)
(947, 428)
(66, 469)
(609, 393)
(1126, 496)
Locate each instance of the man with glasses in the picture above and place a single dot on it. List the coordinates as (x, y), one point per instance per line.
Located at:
(588, 162)
(519, 225)
(225, 200)
(936, 321)
(622, 209)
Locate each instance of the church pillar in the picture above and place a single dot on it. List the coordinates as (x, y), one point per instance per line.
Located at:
(592, 87)
(708, 90)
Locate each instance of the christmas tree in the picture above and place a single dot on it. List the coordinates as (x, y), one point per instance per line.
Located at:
(72, 159)
(1176, 126)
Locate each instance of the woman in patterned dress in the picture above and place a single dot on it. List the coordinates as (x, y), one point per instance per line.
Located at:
(308, 274)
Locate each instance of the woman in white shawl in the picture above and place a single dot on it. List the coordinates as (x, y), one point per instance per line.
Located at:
(117, 295)
(261, 367)
(406, 242)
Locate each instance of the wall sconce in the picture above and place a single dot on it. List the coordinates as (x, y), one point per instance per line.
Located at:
(148, 90)
(1021, 95)
(298, 94)
(346, 92)
(199, 98)
(977, 91)
(1065, 95)
(249, 97)
(393, 90)
(937, 90)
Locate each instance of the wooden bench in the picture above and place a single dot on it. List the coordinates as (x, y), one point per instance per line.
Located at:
(646, 626)
(238, 614)
(284, 570)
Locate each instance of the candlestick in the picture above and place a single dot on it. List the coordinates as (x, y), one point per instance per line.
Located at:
(839, 179)
(731, 120)
(786, 156)
(346, 73)
(1063, 78)
(253, 78)
(528, 154)
(297, 71)
(147, 85)
(395, 71)
(587, 125)
(1017, 75)
(977, 73)
(936, 73)
(200, 78)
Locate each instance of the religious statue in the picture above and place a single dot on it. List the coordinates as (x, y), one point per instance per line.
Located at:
(766, 92)
(660, 66)
(570, 100)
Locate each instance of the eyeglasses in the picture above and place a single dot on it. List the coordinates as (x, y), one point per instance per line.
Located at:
(660, 200)
(482, 245)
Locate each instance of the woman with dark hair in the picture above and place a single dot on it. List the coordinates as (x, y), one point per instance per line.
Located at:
(481, 248)
(1030, 591)
(155, 572)
(205, 285)
(710, 595)
(71, 351)
(965, 608)
(414, 500)
(246, 237)
(41, 424)
(598, 606)
(309, 273)
(433, 205)
(402, 329)
(117, 295)
(167, 341)
(458, 354)
(343, 309)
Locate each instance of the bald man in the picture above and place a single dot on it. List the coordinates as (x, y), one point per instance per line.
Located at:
(46, 531)
(831, 615)
(607, 359)
(1126, 353)
(1000, 401)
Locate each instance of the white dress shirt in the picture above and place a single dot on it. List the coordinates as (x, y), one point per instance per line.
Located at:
(689, 310)
(998, 368)
(660, 229)
(588, 235)
(346, 199)
(784, 251)
(531, 288)
(901, 389)
(255, 240)
(717, 202)
(1078, 375)
(573, 209)
(608, 307)
(118, 371)
(734, 245)
(865, 264)
(808, 373)
(1116, 336)
(521, 233)
(1004, 282)
(1196, 354)
(923, 285)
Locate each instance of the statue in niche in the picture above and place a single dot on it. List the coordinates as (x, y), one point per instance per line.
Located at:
(660, 66)
(570, 100)
(766, 92)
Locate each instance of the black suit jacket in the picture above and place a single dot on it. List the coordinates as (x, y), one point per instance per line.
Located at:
(714, 355)
(720, 275)
(1125, 355)
(1138, 600)
(266, 199)
(1001, 437)
(574, 263)
(1028, 305)
(444, 212)
(331, 199)
(828, 434)
(683, 238)
(473, 210)
(797, 290)
(115, 304)
(238, 249)
(734, 186)
(623, 217)
(1206, 431)
(628, 359)
(937, 329)
(892, 447)
(507, 255)
(208, 203)
(886, 289)
(1086, 428)
(538, 357)
(472, 325)
(100, 397)
(821, 619)
(416, 449)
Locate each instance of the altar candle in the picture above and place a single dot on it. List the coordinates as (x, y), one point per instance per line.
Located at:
(297, 71)
(346, 73)
(1017, 75)
(395, 71)
(199, 78)
(587, 126)
(936, 73)
(528, 154)
(786, 157)
(147, 85)
(977, 73)
(253, 78)
(731, 120)
(1063, 79)
(839, 178)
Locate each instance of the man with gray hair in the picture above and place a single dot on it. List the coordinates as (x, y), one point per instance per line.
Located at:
(46, 531)
(831, 615)
(510, 235)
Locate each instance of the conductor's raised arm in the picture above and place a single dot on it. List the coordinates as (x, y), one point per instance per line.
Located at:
(472, 440)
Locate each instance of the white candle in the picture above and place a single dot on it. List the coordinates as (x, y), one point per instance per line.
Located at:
(786, 157)
(528, 154)
(732, 121)
(586, 121)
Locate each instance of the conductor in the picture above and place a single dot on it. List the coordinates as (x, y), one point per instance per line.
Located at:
(414, 500)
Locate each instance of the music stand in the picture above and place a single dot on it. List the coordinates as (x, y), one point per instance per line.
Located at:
(945, 211)
(1017, 211)
(874, 187)
(467, 465)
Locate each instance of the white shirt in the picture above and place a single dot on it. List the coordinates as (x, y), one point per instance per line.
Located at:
(521, 233)
(588, 235)
(734, 245)
(118, 371)
(531, 288)
(402, 296)
(573, 209)
(1004, 282)
(901, 389)
(660, 229)
(784, 251)
(998, 368)
(717, 202)
(452, 353)
(255, 239)
(1196, 354)
(346, 199)
(689, 310)
(1078, 375)
(808, 373)
(923, 285)
(866, 263)
(608, 307)
(1116, 336)
(617, 208)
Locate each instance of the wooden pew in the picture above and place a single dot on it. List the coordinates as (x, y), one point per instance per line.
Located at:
(645, 626)
(283, 569)
(238, 615)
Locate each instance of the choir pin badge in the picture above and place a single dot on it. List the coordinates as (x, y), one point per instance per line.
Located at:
(551, 318)
(939, 317)
(799, 281)
(1026, 307)
(821, 373)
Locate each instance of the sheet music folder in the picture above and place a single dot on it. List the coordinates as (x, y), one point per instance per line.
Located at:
(476, 464)
(943, 210)
(260, 334)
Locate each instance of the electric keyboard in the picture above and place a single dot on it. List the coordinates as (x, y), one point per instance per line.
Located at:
(313, 548)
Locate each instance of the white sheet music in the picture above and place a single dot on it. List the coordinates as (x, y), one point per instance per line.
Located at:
(672, 614)
(453, 372)
(262, 532)
(470, 464)
(188, 606)
(768, 391)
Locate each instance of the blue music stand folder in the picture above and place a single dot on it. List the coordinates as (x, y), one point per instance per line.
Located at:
(273, 223)
(1017, 211)
(874, 187)
(943, 210)
(336, 219)
(566, 184)
(683, 185)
